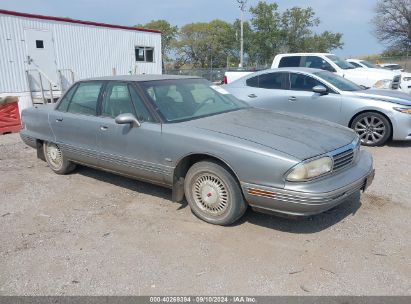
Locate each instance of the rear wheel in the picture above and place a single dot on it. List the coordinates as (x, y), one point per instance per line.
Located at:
(213, 193)
(373, 128)
(56, 160)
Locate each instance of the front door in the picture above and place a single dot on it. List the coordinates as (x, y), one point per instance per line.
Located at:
(127, 149)
(302, 99)
(41, 59)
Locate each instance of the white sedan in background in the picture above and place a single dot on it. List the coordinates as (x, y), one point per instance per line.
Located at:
(405, 84)
(391, 66)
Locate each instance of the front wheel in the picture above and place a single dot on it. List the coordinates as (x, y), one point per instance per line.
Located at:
(56, 160)
(372, 128)
(213, 193)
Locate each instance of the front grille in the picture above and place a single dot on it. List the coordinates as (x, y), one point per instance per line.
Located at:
(343, 159)
(396, 82)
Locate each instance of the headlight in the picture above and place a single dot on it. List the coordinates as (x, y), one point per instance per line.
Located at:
(356, 142)
(383, 84)
(356, 147)
(310, 169)
(403, 110)
(406, 78)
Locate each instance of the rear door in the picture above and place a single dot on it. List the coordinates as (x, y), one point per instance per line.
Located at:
(267, 91)
(301, 98)
(75, 124)
(134, 151)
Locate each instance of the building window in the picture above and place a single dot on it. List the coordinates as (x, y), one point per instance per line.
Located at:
(144, 54)
(39, 44)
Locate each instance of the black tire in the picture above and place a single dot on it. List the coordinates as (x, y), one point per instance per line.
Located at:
(373, 128)
(213, 193)
(56, 160)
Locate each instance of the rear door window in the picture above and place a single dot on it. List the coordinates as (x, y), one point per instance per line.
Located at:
(290, 61)
(252, 82)
(271, 81)
(84, 100)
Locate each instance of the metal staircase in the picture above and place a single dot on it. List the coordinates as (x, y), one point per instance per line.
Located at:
(40, 94)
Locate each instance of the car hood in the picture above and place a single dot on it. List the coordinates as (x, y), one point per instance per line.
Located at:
(396, 97)
(296, 135)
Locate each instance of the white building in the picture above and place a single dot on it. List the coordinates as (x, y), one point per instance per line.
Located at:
(40, 56)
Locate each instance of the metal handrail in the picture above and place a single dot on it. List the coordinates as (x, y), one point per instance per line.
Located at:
(51, 83)
(44, 74)
(61, 77)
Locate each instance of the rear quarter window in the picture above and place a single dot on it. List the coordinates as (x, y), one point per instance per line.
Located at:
(252, 82)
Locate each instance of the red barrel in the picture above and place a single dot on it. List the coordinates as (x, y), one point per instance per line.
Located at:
(9, 115)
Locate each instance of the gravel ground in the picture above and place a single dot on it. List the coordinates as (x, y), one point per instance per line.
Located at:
(96, 233)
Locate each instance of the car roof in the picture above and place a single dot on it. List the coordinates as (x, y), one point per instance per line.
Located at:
(148, 77)
(305, 54)
(288, 69)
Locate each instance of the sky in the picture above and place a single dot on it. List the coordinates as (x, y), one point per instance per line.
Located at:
(352, 18)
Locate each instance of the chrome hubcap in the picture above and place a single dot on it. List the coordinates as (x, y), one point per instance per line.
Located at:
(54, 156)
(371, 129)
(210, 194)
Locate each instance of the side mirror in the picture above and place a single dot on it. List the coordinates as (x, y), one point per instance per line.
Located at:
(127, 118)
(320, 90)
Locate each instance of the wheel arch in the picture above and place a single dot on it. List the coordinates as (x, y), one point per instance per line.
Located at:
(184, 164)
(373, 111)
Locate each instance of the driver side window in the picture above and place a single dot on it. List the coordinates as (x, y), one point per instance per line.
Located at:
(301, 82)
(117, 100)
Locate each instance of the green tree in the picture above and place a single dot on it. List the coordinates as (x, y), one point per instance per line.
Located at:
(323, 43)
(290, 31)
(168, 35)
(297, 34)
(202, 44)
(265, 23)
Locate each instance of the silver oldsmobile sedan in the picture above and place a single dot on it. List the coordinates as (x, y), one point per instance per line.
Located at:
(376, 115)
(209, 147)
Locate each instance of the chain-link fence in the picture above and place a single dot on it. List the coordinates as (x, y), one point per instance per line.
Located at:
(403, 61)
(215, 75)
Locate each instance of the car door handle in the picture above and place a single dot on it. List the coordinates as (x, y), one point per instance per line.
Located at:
(103, 128)
(60, 119)
(292, 98)
(252, 96)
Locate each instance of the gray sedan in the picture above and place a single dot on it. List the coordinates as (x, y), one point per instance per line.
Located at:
(204, 144)
(376, 115)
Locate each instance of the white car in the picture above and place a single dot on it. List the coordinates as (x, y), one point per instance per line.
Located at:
(405, 84)
(391, 66)
(370, 78)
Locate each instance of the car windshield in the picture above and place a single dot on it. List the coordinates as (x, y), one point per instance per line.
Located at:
(369, 64)
(187, 99)
(339, 82)
(345, 65)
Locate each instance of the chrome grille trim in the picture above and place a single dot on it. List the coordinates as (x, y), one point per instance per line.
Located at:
(343, 158)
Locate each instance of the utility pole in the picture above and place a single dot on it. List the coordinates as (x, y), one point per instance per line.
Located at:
(242, 4)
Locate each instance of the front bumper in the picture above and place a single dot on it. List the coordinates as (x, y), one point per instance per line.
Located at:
(303, 199)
